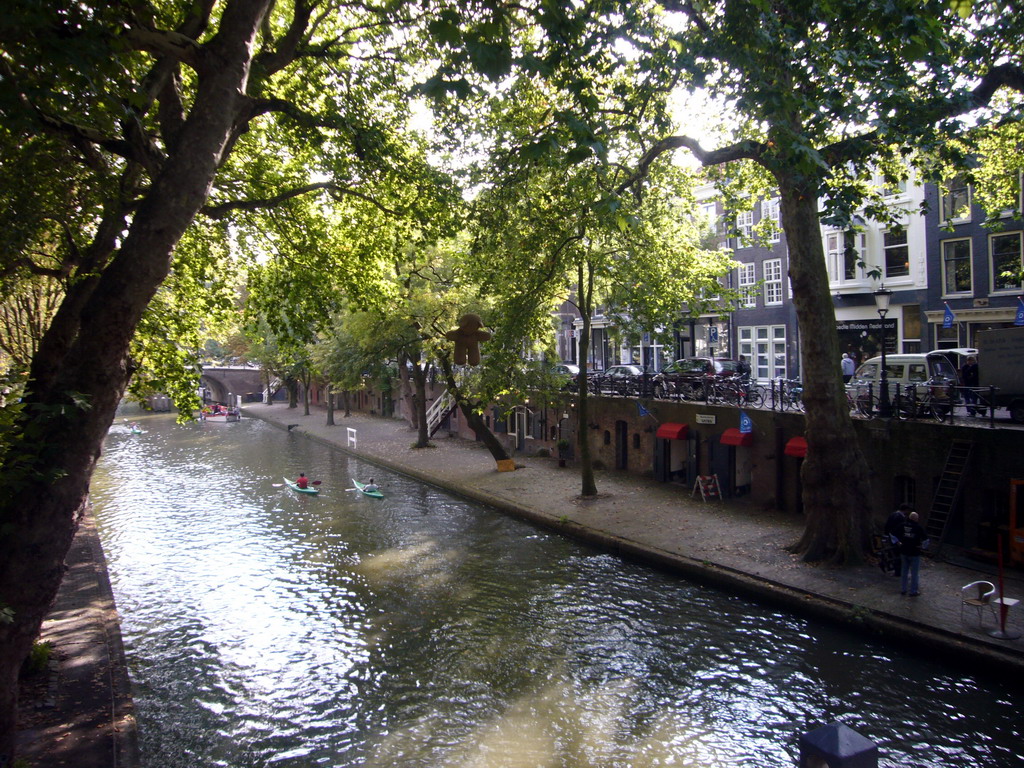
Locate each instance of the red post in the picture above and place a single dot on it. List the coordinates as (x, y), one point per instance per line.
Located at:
(1002, 605)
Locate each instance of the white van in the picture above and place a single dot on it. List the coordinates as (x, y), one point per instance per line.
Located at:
(905, 370)
(956, 356)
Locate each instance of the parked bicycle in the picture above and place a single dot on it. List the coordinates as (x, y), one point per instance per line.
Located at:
(735, 391)
(784, 394)
(932, 399)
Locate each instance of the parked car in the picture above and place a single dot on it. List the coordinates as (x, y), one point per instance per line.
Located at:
(567, 374)
(622, 380)
(686, 378)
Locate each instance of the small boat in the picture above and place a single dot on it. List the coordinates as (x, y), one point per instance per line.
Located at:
(220, 418)
(292, 484)
(361, 487)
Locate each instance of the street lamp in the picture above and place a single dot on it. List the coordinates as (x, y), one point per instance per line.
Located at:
(882, 297)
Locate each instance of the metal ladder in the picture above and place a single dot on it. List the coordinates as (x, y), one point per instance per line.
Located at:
(947, 492)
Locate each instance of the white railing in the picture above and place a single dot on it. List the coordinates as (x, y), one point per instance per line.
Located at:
(438, 409)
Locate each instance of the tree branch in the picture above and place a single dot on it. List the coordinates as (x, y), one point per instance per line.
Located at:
(164, 43)
(743, 150)
(223, 209)
(1001, 76)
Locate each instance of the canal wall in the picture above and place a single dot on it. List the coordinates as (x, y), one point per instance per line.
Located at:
(761, 468)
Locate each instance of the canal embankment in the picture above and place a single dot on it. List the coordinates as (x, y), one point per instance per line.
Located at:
(729, 544)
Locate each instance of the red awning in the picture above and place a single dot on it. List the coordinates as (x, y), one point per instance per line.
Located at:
(796, 446)
(671, 430)
(733, 436)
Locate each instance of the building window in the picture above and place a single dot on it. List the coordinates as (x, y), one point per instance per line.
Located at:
(770, 212)
(747, 281)
(897, 254)
(745, 224)
(845, 253)
(765, 348)
(1007, 264)
(956, 266)
(895, 189)
(956, 200)
(773, 282)
(947, 338)
(710, 213)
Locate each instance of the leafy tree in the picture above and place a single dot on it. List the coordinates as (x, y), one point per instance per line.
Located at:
(24, 317)
(550, 226)
(362, 347)
(132, 123)
(827, 87)
(823, 90)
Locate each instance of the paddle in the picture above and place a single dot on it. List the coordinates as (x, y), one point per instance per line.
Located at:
(315, 482)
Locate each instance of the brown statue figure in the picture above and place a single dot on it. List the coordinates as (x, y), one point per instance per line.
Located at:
(467, 338)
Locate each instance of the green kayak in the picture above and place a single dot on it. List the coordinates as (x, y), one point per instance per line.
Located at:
(361, 487)
(291, 484)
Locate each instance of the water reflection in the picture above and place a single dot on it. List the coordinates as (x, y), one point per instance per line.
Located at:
(265, 627)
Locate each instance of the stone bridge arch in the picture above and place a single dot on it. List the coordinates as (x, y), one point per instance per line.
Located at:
(227, 383)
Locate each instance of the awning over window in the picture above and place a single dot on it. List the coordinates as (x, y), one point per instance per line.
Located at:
(672, 430)
(796, 446)
(733, 436)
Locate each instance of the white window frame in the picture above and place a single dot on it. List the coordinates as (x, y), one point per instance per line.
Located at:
(835, 257)
(994, 275)
(950, 193)
(746, 280)
(770, 210)
(710, 212)
(945, 266)
(773, 291)
(898, 191)
(745, 225)
(765, 348)
(887, 247)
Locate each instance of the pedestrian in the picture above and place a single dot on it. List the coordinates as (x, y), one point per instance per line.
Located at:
(969, 383)
(893, 528)
(912, 540)
(743, 369)
(847, 365)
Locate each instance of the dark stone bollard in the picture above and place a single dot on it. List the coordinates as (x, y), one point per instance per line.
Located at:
(836, 746)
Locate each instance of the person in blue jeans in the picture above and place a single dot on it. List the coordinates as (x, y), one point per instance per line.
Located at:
(912, 540)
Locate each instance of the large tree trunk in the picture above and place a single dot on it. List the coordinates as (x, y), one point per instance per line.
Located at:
(419, 405)
(586, 296)
(330, 406)
(835, 474)
(473, 418)
(82, 369)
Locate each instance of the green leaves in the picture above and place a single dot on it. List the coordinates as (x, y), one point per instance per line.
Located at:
(962, 8)
(445, 29)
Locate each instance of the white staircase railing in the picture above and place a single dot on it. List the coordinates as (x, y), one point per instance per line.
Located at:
(437, 410)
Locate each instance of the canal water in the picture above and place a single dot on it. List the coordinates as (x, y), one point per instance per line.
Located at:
(268, 628)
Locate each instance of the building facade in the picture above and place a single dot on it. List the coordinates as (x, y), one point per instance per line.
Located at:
(942, 255)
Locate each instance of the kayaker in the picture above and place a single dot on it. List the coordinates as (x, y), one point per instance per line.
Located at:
(371, 486)
(302, 481)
